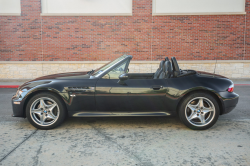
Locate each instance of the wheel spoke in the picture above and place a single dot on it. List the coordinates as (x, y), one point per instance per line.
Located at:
(192, 107)
(52, 106)
(192, 116)
(42, 104)
(51, 115)
(202, 118)
(42, 119)
(36, 111)
(207, 110)
(200, 104)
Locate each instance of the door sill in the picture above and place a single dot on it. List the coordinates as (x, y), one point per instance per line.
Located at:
(108, 114)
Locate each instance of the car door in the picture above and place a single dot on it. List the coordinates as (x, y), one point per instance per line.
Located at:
(146, 95)
(110, 95)
(136, 95)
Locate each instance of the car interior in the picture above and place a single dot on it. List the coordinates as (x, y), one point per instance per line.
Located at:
(167, 69)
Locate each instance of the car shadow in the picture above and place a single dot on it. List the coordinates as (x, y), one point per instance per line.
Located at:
(124, 122)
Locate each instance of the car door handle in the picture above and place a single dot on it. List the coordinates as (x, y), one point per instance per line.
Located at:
(158, 87)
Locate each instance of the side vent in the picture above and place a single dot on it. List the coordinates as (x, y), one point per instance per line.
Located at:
(79, 88)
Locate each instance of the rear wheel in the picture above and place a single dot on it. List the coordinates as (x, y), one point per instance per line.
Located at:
(45, 111)
(199, 111)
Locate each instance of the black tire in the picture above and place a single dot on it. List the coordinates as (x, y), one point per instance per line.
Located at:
(51, 97)
(184, 111)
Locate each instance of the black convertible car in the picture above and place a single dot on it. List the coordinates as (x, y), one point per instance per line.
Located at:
(197, 97)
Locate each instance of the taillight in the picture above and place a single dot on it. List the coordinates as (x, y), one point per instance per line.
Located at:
(231, 88)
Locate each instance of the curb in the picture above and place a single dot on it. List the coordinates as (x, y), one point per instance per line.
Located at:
(16, 86)
(9, 86)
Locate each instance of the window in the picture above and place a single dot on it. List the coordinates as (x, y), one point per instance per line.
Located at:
(198, 7)
(10, 7)
(86, 7)
(116, 72)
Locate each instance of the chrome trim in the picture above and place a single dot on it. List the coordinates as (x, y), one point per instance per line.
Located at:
(80, 88)
(102, 114)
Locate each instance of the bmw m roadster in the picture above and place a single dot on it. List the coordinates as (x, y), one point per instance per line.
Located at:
(197, 97)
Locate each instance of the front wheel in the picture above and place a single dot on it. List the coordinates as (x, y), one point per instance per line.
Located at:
(45, 111)
(199, 111)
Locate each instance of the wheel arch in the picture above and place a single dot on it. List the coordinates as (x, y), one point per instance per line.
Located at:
(41, 91)
(204, 91)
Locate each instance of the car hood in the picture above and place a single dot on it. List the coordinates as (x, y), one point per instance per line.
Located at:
(60, 76)
(202, 73)
(71, 75)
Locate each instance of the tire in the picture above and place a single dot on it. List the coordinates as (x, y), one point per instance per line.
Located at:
(45, 111)
(199, 116)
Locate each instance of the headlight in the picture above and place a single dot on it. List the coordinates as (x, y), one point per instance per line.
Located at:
(18, 93)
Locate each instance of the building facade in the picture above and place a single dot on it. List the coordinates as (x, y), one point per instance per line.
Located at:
(41, 37)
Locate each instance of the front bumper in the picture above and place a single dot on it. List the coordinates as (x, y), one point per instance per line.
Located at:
(229, 101)
(18, 107)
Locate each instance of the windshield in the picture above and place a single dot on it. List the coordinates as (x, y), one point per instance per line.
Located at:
(106, 66)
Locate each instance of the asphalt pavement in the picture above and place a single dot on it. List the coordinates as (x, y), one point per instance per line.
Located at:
(126, 140)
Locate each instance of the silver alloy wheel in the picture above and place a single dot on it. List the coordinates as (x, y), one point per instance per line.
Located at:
(44, 111)
(200, 111)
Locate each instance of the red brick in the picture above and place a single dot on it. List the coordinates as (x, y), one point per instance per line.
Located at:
(146, 37)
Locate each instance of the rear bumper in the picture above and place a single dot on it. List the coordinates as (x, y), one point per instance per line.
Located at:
(229, 101)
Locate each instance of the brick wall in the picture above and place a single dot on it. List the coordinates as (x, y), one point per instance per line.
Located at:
(146, 37)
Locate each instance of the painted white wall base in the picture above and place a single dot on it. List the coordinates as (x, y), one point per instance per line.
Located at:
(29, 69)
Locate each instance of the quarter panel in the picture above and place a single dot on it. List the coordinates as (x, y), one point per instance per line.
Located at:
(178, 87)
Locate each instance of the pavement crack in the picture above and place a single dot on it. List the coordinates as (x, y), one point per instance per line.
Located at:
(39, 151)
(18, 146)
(126, 151)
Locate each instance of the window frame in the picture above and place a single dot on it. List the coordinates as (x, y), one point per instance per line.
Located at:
(154, 13)
(45, 3)
(13, 14)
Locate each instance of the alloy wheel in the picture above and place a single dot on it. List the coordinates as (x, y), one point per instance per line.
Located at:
(200, 111)
(44, 111)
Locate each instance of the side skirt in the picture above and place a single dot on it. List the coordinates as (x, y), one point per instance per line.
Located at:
(108, 114)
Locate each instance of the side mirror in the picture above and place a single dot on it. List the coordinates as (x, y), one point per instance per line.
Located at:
(122, 78)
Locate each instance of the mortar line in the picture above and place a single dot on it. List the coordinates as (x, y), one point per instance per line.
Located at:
(18, 146)
(42, 40)
(245, 37)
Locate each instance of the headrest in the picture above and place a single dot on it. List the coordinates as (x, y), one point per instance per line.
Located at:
(161, 64)
(167, 66)
(175, 64)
